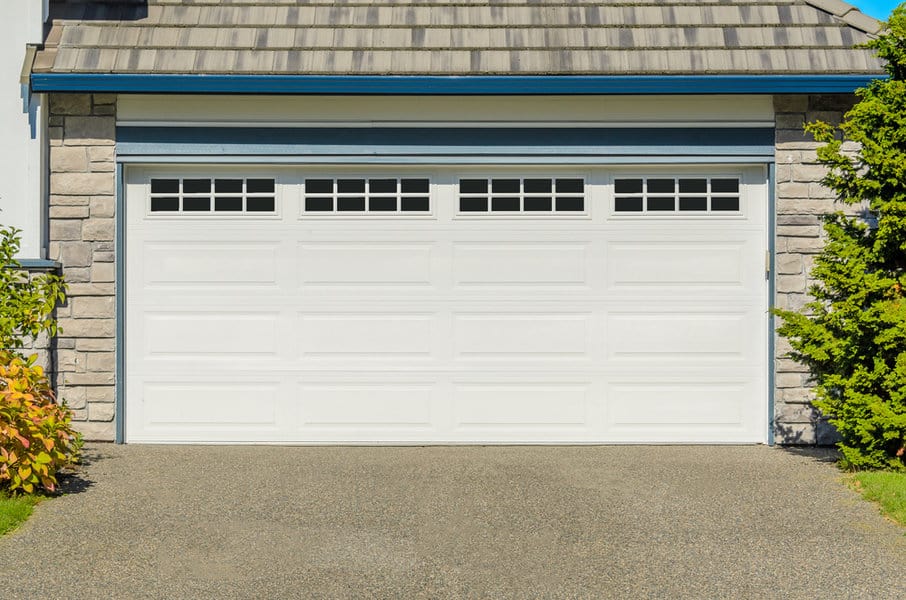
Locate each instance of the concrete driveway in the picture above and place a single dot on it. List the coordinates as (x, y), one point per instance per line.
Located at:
(455, 522)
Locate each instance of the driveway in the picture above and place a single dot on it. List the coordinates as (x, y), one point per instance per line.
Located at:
(455, 522)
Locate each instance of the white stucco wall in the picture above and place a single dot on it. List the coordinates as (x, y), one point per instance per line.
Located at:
(21, 126)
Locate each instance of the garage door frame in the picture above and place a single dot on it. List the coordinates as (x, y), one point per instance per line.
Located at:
(162, 152)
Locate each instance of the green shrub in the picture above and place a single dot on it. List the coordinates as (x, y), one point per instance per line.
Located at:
(853, 335)
(36, 437)
(26, 303)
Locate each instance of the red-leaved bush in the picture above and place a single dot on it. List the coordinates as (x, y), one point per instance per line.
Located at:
(36, 436)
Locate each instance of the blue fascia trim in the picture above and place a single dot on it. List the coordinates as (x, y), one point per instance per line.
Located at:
(436, 85)
(437, 142)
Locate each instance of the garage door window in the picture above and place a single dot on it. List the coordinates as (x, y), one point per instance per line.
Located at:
(367, 196)
(516, 195)
(659, 195)
(220, 196)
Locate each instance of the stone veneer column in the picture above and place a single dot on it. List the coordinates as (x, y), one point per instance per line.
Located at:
(82, 203)
(800, 201)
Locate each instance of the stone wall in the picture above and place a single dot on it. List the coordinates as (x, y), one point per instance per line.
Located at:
(82, 227)
(82, 202)
(800, 201)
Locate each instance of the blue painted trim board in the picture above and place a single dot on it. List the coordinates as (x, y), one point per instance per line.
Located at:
(772, 253)
(437, 85)
(120, 300)
(509, 159)
(424, 142)
(39, 264)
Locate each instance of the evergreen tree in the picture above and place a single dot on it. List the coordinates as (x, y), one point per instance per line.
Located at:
(853, 335)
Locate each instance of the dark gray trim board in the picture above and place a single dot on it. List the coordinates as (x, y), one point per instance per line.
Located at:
(440, 141)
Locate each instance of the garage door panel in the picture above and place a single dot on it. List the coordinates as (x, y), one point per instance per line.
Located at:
(703, 409)
(370, 266)
(557, 336)
(174, 335)
(684, 266)
(507, 264)
(342, 406)
(187, 265)
(366, 335)
(512, 406)
(211, 404)
(656, 334)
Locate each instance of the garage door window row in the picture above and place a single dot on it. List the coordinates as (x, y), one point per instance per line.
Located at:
(367, 196)
(528, 195)
(476, 196)
(204, 195)
(663, 195)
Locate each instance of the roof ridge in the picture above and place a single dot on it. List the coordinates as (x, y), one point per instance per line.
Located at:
(849, 14)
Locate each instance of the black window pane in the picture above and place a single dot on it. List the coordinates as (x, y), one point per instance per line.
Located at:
(473, 204)
(416, 204)
(319, 186)
(319, 204)
(196, 204)
(473, 186)
(693, 186)
(661, 186)
(382, 186)
(538, 186)
(165, 186)
(695, 203)
(505, 186)
(382, 204)
(570, 204)
(228, 186)
(351, 186)
(196, 186)
(259, 186)
(538, 204)
(504, 204)
(166, 203)
(725, 186)
(570, 186)
(628, 204)
(227, 204)
(725, 204)
(414, 186)
(262, 204)
(659, 204)
(355, 204)
(628, 186)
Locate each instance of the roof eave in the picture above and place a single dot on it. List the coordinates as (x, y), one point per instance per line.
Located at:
(443, 85)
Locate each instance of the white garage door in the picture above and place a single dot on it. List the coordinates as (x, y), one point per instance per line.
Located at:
(446, 306)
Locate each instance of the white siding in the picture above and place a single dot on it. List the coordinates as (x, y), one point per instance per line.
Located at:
(21, 121)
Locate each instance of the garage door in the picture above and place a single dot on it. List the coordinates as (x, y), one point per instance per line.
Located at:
(452, 305)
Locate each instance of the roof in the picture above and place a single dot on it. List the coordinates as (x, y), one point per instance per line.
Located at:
(455, 37)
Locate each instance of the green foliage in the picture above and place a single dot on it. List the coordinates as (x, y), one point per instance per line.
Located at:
(36, 436)
(887, 489)
(26, 303)
(14, 510)
(853, 335)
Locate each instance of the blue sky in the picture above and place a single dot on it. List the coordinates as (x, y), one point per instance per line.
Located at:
(879, 9)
